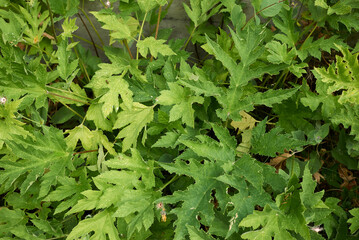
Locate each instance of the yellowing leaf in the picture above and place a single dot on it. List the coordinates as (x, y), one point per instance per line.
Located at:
(116, 86)
(154, 46)
(81, 133)
(120, 28)
(247, 122)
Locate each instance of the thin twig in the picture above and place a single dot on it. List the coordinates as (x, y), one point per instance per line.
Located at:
(128, 48)
(93, 42)
(157, 26)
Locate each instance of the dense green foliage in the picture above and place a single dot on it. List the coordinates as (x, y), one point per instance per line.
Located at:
(253, 135)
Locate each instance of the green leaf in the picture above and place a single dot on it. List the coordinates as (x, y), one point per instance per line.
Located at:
(199, 82)
(64, 8)
(148, 5)
(132, 121)
(270, 8)
(45, 157)
(321, 3)
(277, 221)
(102, 224)
(116, 86)
(224, 57)
(168, 140)
(9, 125)
(138, 207)
(12, 28)
(279, 53)
(66, 68)
(285, 21)
(120, 28)
(197, 198)
(37, 22)
(68, 26)
(311, 200)
(95, 114)
(315, 48)
(274, 224)
(243, 202)
(81, 133)
(342, 76)
(47, 227)
(328, 103)
(213, 150)
(270, 143)
(197, 234)
(10, 219)
(136, 164)
(154, 46)
(69, 193)
(347, 116)
(19, 78)
(354, 221)
(201, 10)
(182, 99)
(268, 98)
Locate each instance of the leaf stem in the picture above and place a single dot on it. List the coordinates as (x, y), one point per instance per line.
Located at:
(168, 183)
(69, 108)
(139, 35)
(82, 64)
(189, 38)
(28, 119)
(72, 99)
(52, 20)
(309, 35)
(66, 91)
(128, 48)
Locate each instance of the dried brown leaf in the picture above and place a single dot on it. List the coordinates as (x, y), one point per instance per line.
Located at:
(317, 176)
(347, 176)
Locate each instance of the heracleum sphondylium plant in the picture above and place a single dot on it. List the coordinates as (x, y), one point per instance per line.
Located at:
(253, 135)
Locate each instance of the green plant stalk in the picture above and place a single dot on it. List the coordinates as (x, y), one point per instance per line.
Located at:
(72, 110)
(168, 183)
(82, 65)
(42, 55)
(93, 26)
(309, 35)
(58, 95)
(52, 20)
(189, 38)
(66, 91)
(28, 119)
(103, 4)
(139, 35)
